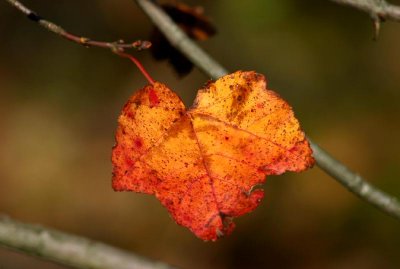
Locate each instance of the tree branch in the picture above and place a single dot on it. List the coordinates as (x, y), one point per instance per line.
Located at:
(379, 10)
(67, 249)
(87, 42)
(355, 183)
(375, 8)
(210, 67)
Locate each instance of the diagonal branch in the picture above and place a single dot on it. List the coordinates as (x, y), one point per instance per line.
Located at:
(67, 249)
(210, 67)
(355, 183)
(87, 42)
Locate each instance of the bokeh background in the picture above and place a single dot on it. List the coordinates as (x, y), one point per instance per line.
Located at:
(59, 104)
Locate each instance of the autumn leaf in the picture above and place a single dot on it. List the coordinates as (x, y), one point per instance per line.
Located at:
(204, 163)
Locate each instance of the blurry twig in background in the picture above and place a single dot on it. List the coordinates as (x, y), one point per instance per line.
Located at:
(379, 10)
(67, 249)
(209, 66)
(115, 46)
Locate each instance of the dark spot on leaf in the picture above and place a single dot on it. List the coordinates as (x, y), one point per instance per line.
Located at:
(138, 142)
(153, 98)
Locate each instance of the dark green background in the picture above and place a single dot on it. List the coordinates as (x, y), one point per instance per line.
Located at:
(59, 104)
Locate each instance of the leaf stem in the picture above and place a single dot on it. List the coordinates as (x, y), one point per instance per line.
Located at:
(138, 64)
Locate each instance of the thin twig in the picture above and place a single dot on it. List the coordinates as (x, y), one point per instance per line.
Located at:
(67, 249)
(87, 42)
(379, 10)
(210, 67)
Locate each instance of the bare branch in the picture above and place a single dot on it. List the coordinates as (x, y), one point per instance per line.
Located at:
(355, 183)
(67, 249)
(87, 42)
(210, 67)
(379, 10)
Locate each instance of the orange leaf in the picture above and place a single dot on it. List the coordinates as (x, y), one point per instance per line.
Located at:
(203, 163)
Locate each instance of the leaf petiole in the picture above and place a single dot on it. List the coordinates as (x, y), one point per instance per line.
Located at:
(137, 63)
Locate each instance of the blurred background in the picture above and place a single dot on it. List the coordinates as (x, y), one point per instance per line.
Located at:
(59, 104)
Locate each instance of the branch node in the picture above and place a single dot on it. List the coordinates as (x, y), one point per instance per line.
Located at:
(34, 17)
(84, 41)
(141, 44)
(376, 19)
(379, 11)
